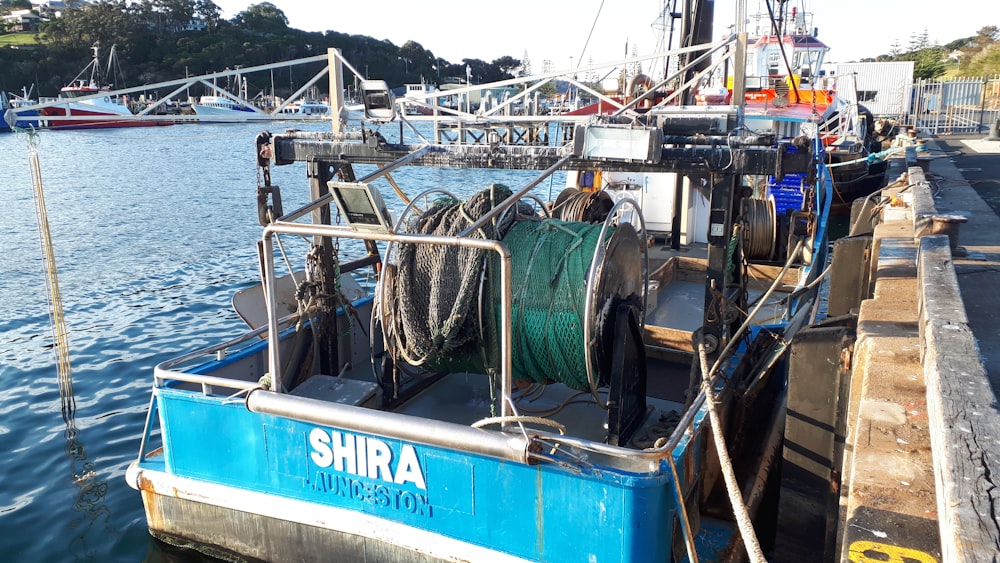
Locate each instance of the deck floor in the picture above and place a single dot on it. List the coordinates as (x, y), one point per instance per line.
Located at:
(464, 398)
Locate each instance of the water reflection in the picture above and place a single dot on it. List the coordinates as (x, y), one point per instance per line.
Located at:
(91, 488)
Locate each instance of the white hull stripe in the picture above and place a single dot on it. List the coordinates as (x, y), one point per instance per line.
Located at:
(311, 514)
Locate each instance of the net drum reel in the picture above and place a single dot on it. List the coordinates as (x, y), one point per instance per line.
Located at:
(573, 204)
(760, 228)
(577, 308)
(617, 290)
(384, 336)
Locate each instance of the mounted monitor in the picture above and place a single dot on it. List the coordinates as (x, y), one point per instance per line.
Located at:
(361, 205)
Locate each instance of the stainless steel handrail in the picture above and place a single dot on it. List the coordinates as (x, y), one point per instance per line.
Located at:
(513, 447)
(337, 231)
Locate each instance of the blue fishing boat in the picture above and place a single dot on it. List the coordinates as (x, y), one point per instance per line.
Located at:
(524, 380)
(13, 113)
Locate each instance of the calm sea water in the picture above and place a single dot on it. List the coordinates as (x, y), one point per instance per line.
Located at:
(154, 229)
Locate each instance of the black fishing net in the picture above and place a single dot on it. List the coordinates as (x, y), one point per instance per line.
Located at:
(433, 316)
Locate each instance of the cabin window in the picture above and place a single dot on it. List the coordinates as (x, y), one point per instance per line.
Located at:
(867, 95)
(773, 63)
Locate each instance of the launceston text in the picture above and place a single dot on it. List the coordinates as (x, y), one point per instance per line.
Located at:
(372, 493)
(348, 454)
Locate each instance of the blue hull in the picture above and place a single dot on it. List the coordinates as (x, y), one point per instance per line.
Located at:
(481, 504)
(23, 119)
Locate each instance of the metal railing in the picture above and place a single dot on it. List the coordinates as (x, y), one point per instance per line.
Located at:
(961, 105)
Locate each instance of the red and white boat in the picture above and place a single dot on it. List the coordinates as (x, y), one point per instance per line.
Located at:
(88, 103)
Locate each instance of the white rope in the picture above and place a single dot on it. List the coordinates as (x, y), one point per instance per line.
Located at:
(740, 511)
(521, 419)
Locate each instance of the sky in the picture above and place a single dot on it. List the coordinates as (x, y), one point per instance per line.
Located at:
(558, 30)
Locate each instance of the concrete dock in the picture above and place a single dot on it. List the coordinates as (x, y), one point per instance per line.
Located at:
(922, 440)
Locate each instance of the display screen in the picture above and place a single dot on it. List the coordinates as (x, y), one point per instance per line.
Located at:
(361, 205)
(358, 207)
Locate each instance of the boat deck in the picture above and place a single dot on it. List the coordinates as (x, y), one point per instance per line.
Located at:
(464, 398)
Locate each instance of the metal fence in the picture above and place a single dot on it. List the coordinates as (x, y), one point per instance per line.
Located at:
(961, 105)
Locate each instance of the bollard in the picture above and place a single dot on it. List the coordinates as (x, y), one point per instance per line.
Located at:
(994, 131)
(948, 225)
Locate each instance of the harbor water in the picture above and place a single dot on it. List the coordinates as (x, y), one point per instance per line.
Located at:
(153, 230)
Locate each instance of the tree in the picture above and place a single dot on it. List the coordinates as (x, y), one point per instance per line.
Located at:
(106, 22)
(262, 18)
(209, 12)
(417, 60)
(979, 52)
(178, 13)
(929, 62)
(895, 49)
(985, 37)
(919, 41)
(984, 63)
(507, 65)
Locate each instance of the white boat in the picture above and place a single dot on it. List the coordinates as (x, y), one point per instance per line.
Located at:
(306, 110)
(88, 102)
(224, 109)
(419, 99)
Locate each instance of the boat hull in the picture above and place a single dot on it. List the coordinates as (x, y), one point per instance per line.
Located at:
(217, 112)
(273, 477)
(91, 119)
(858, 179)
(21, 119)
(295, 531)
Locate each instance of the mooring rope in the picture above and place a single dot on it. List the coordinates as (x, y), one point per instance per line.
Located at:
(56, 318)
(740, 511)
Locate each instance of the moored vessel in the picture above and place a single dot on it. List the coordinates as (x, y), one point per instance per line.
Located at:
(524, 380)
(87, 101)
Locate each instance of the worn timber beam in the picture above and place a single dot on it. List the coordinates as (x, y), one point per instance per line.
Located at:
(962, 413)
(293, 147)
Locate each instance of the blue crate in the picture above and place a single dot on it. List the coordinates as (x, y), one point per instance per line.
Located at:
(787, 193)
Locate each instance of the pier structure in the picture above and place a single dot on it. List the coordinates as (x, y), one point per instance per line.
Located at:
(905, 429)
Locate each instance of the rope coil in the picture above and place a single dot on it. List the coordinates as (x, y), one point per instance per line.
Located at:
(760, 228)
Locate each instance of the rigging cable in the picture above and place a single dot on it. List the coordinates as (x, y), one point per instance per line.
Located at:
(589, 35)
(784, 55)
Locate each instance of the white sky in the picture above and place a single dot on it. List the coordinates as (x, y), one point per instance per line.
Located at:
(557, 30)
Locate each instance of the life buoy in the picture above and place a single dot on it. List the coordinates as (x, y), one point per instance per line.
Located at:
(638, 85)
(107, 99)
